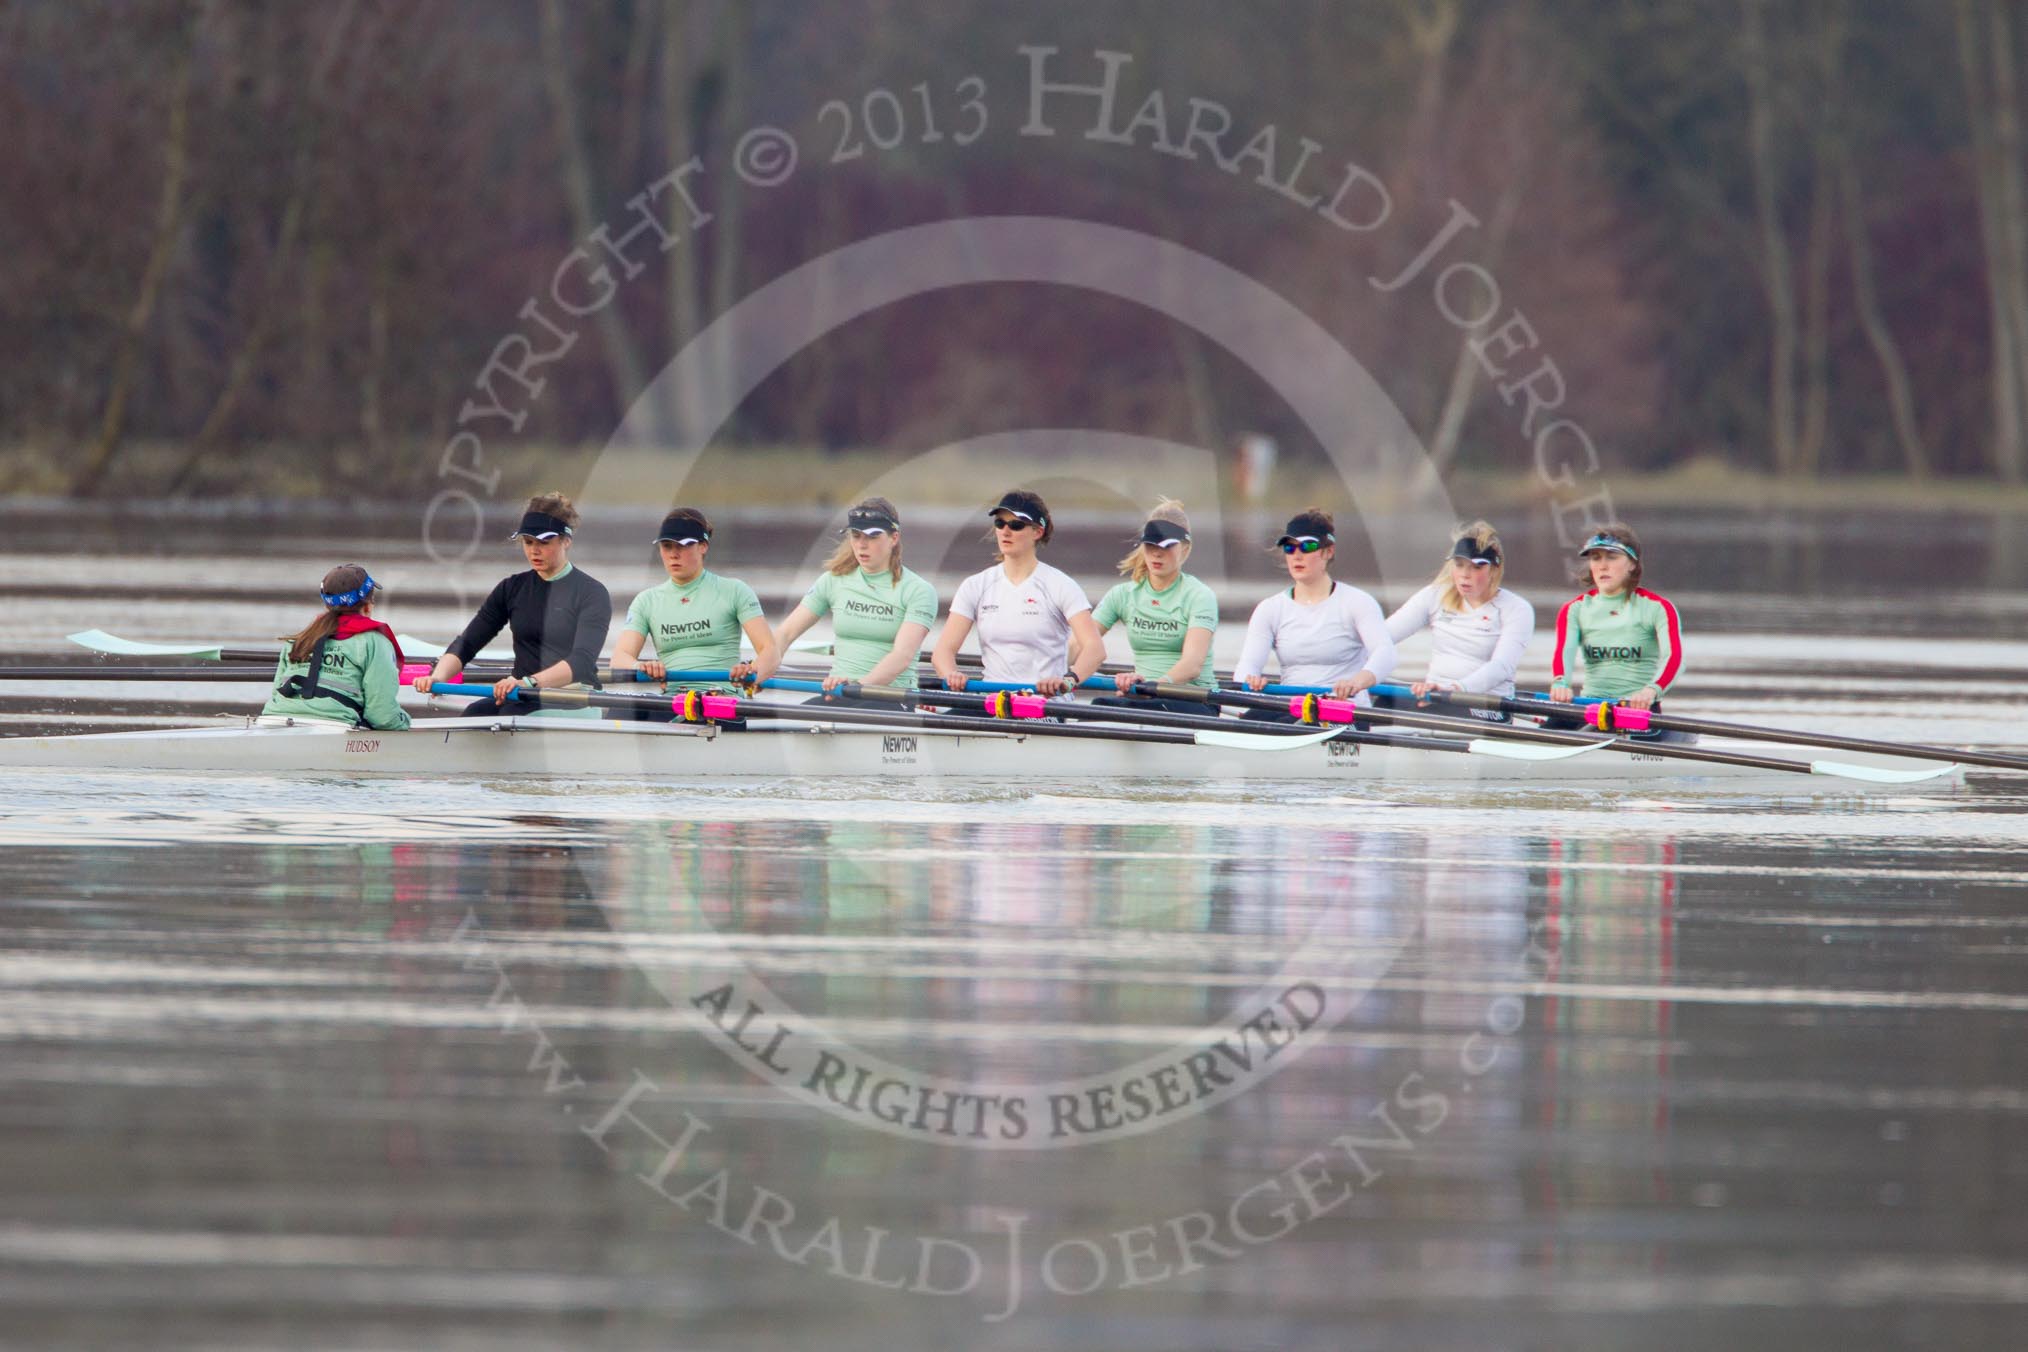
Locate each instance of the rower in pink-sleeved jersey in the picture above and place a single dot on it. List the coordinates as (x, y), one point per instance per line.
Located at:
(1478, 629)
(1628, 640)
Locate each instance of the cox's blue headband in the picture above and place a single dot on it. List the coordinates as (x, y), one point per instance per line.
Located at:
(347, 600)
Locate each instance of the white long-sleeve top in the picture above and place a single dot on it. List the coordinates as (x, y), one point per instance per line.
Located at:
(1476, 649)
(1322, 644)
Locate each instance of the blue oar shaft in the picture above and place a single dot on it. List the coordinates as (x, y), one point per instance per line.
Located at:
(1104, 683)
(1403, 692)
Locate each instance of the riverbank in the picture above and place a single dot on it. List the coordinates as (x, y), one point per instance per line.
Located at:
(766, 476)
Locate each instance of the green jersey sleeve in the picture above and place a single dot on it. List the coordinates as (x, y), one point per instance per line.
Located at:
(637, 617)
(820, 595)
(1112, 605)
(746, 602)
(918, 600)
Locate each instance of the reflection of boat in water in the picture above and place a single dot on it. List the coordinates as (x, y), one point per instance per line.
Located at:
(584, 749)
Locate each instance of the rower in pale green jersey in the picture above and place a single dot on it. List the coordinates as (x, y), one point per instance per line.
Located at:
(695, 619)
(1170, 616)
(1626, 640)
(346, 666)
(880, 611)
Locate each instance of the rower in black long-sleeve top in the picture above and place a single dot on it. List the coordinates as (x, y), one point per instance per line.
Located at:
(558, 615)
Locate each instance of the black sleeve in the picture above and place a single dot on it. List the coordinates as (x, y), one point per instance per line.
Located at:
(485, 626)
(594, 619)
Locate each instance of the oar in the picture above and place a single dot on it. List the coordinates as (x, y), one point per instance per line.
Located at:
(717, 707)
(231, 672)
(1032, 707)
(488, 663)
(1610, 717)
(1334, 710)
(112, 645)
(1008, 704)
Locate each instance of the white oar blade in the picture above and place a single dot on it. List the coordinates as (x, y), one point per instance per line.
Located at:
(1529, 751)
(411, 646)
(98, 640)
(1873, 774)
(1263, 741)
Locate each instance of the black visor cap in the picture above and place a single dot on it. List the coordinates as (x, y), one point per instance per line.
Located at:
(1019, 504)
(865, 519)
(1468, 548)
(539, 525)
(680, 527)
(1308, 523)
(1162, 532)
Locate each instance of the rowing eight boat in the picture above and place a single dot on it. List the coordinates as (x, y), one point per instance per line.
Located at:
(549, 747)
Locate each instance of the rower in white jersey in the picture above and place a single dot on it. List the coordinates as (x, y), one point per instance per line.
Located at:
(1024, 612)
(1323, 632)
(1478, 630)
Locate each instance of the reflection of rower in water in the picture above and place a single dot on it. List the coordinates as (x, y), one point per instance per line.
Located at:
(1478, 630)
(345, 666)
(1323, 632)
(880, 611)
(694, 619)
(559, 616)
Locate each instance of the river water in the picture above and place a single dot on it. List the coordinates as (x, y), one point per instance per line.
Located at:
(1031, 1064)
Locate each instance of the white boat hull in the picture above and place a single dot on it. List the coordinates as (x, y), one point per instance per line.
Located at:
(578, 749)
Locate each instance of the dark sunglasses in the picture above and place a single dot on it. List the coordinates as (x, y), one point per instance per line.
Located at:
(1012, 523)
(1303, 546)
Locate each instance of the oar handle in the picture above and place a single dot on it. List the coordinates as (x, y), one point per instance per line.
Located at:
(469, 688)
(623, 674)
(1453, 696)
(983, 687)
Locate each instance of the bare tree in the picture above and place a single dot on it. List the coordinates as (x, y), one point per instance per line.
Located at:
(1990, 102)
(1873, 323)
(1777, 271)
(623, 360)
(168, 222)
(282, 256)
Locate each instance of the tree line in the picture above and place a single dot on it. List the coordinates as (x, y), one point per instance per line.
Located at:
(1792, 235)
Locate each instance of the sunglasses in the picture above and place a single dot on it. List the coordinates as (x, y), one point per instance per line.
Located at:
(1301, 546)
(1012, 523)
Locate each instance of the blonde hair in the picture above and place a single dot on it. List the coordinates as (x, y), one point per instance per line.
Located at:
(1485, 537)
(1134, 566)
(557, 505)
(844, 562)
